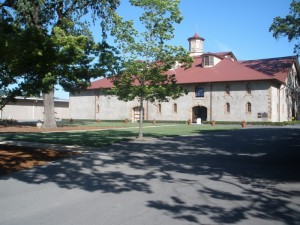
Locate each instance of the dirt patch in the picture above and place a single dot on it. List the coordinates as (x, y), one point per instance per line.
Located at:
(14, 158)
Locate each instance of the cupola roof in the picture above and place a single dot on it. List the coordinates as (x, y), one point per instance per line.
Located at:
(196, 36)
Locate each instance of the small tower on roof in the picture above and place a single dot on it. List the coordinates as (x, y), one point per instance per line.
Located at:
(196, 45)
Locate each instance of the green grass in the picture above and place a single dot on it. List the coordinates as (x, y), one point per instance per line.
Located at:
(119, 124)
(119, 133)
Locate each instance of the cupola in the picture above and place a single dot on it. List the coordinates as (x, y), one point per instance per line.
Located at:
(196, 45)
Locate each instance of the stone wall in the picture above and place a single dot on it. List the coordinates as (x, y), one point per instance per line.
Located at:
(264, 98)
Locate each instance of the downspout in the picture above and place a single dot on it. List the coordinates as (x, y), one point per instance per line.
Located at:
(95, 106)
(279, 105)
(210, 102)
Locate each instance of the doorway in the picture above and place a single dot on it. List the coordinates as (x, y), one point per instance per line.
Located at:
(136, 114)
(199, 112)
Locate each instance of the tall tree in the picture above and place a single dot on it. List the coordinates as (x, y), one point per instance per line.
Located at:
(288, 26)
(145, 56)
(46, 42)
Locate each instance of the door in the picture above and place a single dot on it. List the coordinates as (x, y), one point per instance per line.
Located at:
(136, 114)
(199, 112)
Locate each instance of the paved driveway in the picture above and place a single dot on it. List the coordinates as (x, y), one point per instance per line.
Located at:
(249, 176)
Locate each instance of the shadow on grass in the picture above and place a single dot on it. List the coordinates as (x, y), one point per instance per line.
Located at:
(90, 138)
(242, 170)
(74, 123)
(102, 138)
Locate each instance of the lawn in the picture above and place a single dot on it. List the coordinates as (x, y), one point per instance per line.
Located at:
(115, 133)
(14, 158)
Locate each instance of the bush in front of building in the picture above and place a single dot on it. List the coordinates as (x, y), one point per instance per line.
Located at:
(259, 123)
(8, 122)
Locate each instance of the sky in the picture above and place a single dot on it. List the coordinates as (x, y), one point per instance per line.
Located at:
(239, 26)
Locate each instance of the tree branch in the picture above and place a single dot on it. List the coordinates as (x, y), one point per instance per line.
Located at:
(8, 3)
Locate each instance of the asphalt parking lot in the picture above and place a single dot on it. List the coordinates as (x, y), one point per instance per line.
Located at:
(247, 176)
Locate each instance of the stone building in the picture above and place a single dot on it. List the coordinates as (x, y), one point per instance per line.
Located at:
(219, 86)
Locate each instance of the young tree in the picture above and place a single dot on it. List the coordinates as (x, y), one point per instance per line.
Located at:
(146, 57)
(44, 43)
(288, 26)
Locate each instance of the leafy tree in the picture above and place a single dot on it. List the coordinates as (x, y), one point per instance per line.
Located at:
(288, 26)
(145, 60)
(46, 42)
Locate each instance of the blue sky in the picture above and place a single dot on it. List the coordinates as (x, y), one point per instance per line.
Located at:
(239, 26)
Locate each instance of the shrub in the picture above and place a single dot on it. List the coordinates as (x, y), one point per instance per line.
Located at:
(8, 122)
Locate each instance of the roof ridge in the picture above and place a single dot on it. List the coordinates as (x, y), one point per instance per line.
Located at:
(283, 57)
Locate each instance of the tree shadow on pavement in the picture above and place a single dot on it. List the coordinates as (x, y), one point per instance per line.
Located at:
(245, 173)
(258, 159)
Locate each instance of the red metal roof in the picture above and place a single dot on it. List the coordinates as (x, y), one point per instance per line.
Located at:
(226, 71)
(277, 68)
(196, 36)
(101, 83)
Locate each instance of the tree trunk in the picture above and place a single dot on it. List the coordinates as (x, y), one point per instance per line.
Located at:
(49, 111)
(141, 119)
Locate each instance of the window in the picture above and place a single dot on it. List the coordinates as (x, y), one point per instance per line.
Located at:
(248, 88)
(199, 91)
(227, 90)
(259, 115)
(262, 115)
(159, 108)
(208, 60)
(174, 108)
(227, 108)
(193, 46)
(248, 107)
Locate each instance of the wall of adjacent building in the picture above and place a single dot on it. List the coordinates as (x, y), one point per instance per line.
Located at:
(32, 110)
(82, 105)
(288, 101)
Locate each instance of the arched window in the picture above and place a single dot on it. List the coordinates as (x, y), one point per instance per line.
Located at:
(248, 107)
(159, 108)
(249, 88)
(227, 107)
(227, 90)
(174, 108)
